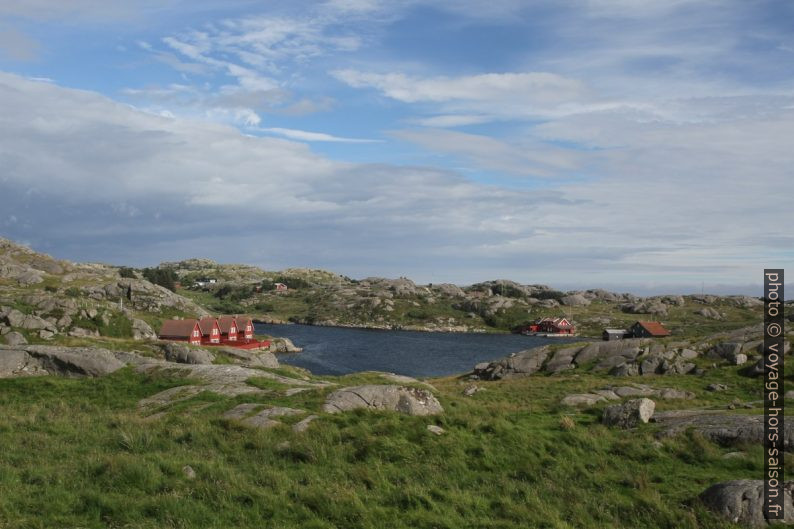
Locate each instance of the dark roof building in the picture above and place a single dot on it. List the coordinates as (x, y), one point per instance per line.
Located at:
(648, 329)
(615, 334)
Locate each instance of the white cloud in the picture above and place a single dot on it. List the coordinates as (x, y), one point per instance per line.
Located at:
(303, 135)
(452, 120)
(527, 159)
(537, 87)
(688, 202)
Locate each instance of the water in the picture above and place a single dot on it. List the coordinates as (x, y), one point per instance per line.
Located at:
(338, 351)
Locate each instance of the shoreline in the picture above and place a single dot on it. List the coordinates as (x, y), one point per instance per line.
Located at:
(435, 330)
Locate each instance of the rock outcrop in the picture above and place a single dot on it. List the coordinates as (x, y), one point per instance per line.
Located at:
(411, 401)
(251, 358)
(631, 357)
(629, 414)
(31, 360)
(721, 428)
(182, 353)
(522, 363)
(742, 502)
(611, 393)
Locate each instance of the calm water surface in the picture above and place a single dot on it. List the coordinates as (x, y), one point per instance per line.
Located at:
(338, 351)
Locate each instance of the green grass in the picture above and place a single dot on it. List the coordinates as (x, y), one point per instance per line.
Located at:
(78, 453)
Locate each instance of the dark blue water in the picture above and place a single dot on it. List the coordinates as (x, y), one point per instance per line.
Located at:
(338, 351)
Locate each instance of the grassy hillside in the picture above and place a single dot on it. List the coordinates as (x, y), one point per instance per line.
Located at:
(78, 453)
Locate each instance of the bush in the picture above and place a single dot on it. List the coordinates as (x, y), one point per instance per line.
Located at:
(508, 291)
(550, 294)
(118, 326)
(232, 293)
(165, 277)
(263, 306)
(418, 314)
(127, 272)
(292, 282)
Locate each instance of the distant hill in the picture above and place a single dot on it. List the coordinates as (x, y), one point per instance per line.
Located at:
(323, 298)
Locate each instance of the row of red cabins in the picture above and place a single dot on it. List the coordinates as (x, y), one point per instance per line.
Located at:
(225, 330)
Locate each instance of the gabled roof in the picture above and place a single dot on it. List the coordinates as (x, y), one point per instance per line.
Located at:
(206, 324)
(225, 323)
(654, 328)
(178, 328)
(557, 322)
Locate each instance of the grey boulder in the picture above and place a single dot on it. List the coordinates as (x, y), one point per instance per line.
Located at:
(182, 354)
(141, 330)
(741, 501)
(629, 414)
(15, 338)
(411, 401)
(55, 360)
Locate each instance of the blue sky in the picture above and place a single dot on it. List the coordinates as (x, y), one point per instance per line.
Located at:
(642, 146)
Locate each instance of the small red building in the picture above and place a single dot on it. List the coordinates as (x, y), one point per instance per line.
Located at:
(245, 327)
(181, 330)
(547, 326)
(280, 287)
(210, 330)
(229, 330)
(555, 326)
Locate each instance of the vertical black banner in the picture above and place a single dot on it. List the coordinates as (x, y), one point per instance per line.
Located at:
(773, 393)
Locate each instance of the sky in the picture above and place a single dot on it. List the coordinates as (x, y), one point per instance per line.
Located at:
(643, 146)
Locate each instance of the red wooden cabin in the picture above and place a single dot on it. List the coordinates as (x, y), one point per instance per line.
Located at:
(210, 331)
(181, 330)
(229, 330)
(556, 326)
(245, 327)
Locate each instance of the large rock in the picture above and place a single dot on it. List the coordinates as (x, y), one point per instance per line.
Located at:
(721, 428)
(520, 364)
(449, 289)
(141, 330)
(583, 399)
(710, 313)
(630, 413)
(283, 345)
(251, 358)
(725, 350)
(13, 317)
(55, 360)
(741, 501)
(35, 323)
(183, 354)
(411, 401)
(15, 338)
(142, 295)
(575, 300)
(562, 360)
(628, 349)
(653, 306)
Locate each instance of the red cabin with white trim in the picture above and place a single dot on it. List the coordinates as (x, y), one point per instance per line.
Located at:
(210, 330)
(229, 329)
(556, 326)
(182, 331)
(245, 327)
